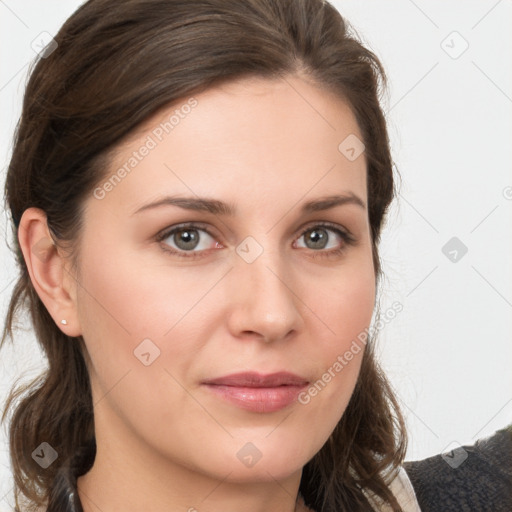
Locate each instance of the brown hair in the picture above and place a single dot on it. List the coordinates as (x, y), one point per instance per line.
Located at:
(115, 65)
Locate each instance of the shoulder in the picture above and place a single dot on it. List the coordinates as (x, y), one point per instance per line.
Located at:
(472, 477)
(402, 489)
(400, 486)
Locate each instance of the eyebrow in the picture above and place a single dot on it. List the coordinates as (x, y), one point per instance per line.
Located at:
(217, 207)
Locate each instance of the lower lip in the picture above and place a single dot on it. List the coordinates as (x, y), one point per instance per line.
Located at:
(258, 399)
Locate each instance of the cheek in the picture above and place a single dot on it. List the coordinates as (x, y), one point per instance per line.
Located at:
(120, 295)
(117, 307)
(347, 305)
(131, 312)
(345, 309)
(125, 315)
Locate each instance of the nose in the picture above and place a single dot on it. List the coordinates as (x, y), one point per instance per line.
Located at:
(264, 302)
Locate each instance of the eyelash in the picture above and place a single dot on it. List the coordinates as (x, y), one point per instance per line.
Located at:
(332, 253)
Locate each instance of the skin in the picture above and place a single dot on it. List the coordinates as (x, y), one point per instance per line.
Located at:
(165, 442)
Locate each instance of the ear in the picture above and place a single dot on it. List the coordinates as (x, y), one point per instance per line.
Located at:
(49, 270)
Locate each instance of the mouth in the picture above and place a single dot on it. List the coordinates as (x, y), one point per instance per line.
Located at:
(258, 392)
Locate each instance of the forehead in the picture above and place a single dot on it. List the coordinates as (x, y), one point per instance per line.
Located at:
(256, 138)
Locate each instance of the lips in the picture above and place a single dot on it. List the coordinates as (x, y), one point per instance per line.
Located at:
(259, 380)
(258, 392)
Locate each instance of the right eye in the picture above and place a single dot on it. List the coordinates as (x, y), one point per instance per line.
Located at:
(186, 238)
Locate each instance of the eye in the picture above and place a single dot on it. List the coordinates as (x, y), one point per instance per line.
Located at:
(184, 239)
(326, 236)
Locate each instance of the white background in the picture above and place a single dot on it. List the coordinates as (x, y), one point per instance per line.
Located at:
(449, 352)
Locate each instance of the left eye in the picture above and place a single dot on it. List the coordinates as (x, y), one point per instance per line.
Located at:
(319, 236)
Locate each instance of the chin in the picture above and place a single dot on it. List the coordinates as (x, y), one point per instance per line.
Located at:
(259, 461)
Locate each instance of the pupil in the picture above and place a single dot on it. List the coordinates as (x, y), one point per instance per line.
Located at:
(187, 238)
(317, 237)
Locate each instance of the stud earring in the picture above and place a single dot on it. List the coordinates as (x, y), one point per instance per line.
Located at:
(64, 321)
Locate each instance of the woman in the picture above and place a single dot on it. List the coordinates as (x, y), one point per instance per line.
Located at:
(197, 192)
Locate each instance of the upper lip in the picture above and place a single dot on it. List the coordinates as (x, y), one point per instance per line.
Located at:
(259, 380)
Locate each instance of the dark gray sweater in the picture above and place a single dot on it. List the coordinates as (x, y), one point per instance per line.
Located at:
(475, 478)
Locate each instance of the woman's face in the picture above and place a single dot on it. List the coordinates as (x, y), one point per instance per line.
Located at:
(270, 286)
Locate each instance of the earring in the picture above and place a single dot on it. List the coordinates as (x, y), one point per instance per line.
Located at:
(64, 321)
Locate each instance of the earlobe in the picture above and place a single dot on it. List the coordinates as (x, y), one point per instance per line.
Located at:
(47, 269)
